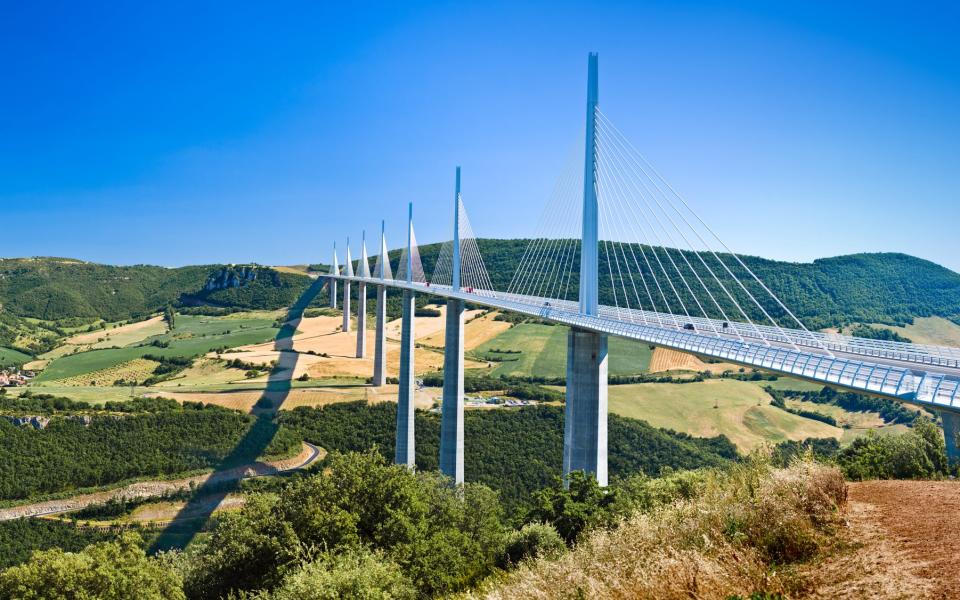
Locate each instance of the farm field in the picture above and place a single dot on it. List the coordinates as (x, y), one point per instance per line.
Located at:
(855, 424)
(543, 352)
(743, 412)
(930, 330)
(245, 400)
(9, 356)
(193, 335)
(124, 335)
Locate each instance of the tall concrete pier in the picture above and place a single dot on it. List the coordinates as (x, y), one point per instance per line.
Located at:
(585, 424)
(406, 451)
(380, 337)
(361, 320)
(451, 420)
(362, 271)
(347, 271)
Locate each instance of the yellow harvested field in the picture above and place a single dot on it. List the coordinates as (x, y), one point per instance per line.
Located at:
(423, 327)
(479, 329)
(205, 371)
(323, 335)
(121, 336)
(137, 369)
(666, 359)
(294, 269)
(320, 396)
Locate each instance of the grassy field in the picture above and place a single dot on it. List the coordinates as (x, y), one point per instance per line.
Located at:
(8, 357)
(192, 336)
(122, 335)
(543, 352)
(743, 412)
(930, 330)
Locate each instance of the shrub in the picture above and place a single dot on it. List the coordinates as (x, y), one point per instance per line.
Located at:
(444, 538)
(354, 575)
(107, 571)
(533, 540)
(917, 454)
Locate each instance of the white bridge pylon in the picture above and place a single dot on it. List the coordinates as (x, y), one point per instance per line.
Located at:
(652, 271)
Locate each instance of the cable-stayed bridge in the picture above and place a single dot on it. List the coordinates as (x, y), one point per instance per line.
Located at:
(620, 252)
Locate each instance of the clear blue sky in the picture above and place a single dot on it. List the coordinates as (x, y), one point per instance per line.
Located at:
(183, 132)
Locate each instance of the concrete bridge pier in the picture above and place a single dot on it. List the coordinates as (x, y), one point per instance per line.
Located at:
(405, 454)
(451, 420)
(332, 289)
(361, 320)
(951, 429)
(346, 306)
(585, 424)
(380, 343)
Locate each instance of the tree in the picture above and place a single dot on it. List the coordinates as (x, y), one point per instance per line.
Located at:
(106, 571)
(581, 505)
(170, 316)
(444, 538)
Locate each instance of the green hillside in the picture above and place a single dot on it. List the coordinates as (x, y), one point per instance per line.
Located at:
(55, 289)
(44, 299)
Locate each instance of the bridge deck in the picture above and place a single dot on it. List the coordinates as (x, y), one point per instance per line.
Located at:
(920, 374)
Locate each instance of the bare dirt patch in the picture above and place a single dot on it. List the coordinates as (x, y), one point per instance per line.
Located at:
(901, 543)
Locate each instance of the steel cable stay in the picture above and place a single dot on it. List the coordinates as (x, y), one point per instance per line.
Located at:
(756, 328)
(640, 160)
(672, 241)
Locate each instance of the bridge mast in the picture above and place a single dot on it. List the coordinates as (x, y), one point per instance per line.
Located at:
(589, 267)
(585, 423)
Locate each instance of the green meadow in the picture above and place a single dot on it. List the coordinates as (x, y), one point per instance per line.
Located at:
(543, 352)
(192, 336)
(9, 356)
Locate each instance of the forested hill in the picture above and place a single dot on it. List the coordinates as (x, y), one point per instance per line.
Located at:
(872, 288)
(56, 288)
(885, 288)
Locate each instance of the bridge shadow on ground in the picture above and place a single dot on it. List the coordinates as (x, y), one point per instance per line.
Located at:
(195, 515)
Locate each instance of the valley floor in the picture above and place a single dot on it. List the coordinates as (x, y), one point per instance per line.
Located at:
(902, 542)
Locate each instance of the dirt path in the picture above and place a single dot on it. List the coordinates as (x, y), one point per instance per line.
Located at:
(902, 542)
(145, 489)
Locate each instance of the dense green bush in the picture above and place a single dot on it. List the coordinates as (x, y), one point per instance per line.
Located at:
(533, 540)
(917, 454)
(106, 571)
(443, 538)
(352, 575)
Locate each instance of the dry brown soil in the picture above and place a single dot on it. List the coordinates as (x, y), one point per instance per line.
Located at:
(902, 542)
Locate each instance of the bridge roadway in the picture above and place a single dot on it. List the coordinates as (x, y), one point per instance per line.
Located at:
(922, 375)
